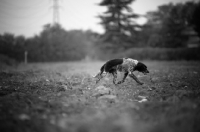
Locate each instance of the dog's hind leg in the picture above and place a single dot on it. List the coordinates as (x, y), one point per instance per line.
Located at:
(114, 73)
(125, 75)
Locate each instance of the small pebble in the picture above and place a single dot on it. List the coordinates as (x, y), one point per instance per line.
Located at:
(24, 117)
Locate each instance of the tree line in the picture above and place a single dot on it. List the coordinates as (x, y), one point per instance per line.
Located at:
(53, 44)
(170, 26)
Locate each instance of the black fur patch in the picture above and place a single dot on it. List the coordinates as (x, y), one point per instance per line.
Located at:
(108, 66)
(141, 67)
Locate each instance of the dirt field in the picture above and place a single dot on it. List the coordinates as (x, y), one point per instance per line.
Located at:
(63, 97)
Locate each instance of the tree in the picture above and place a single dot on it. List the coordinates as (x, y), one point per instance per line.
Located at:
(168, 26)
(173, 26)
(118, 21)
(196, 19)
(56, 44)
(12, 46)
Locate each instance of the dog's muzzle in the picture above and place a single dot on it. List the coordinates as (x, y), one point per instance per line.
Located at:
(145, 72)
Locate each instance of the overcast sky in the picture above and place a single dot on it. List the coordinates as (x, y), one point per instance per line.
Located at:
(26, 17)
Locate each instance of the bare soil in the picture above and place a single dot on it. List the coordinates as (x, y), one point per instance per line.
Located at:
(63, 97)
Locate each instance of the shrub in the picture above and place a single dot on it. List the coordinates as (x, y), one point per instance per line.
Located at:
(157, 54)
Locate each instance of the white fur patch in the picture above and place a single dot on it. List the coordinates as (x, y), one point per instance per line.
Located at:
(133, 61)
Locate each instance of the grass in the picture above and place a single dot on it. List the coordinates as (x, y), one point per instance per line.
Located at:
(59, 97)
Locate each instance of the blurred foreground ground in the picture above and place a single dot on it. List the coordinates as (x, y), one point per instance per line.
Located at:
(60, 97)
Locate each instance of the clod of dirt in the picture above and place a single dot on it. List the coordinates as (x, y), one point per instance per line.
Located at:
(24, 117)
(65, 87)
(154, 79)
(173, 99)
(109, 97)
(143, 99)
(101, 90)
(151, 88)
(181, 93)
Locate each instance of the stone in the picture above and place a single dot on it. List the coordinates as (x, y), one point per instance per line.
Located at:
(109, 98)
(24, 117)
(101, 90)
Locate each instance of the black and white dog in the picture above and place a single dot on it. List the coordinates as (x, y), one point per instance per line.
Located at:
(126, 65)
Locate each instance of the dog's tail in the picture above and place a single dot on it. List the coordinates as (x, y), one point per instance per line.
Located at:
(99, 74)
(102, 69)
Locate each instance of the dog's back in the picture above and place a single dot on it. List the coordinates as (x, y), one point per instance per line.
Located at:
(109, 65)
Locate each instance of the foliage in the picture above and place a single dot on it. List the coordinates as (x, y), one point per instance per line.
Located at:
(12, 46)
(118, 22)
(195, 20)
(169, 26)
(149, 53)
(53, 44)
(6, 62)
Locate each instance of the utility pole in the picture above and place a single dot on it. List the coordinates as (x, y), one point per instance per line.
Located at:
(55, 12)
(25, 57)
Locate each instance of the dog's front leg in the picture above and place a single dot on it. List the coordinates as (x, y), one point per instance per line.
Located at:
(135, 78)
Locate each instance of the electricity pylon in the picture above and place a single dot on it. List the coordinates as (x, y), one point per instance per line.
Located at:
(55, 11)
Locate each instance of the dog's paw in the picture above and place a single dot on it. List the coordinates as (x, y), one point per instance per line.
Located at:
(120, 82)
(97, 80)
(140, 83)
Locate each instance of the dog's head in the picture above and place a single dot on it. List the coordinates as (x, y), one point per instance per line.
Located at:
(141, 68)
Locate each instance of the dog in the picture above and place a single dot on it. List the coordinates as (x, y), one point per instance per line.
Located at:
(125, 65)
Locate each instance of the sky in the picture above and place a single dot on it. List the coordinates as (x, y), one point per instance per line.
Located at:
(27, 17)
